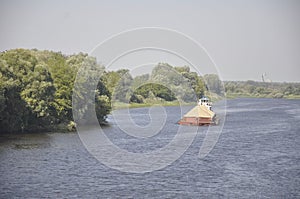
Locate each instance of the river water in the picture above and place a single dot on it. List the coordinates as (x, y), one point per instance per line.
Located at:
(257, 156)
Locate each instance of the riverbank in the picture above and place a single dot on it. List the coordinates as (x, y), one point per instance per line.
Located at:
(70, 127)
(267, 96)
(122, 105)
(213, 97)
(160, 102)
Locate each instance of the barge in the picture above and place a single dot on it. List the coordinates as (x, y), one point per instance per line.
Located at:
(201, 114)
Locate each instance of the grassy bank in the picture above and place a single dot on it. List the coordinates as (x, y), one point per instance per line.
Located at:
(248, 95)
(122, 105)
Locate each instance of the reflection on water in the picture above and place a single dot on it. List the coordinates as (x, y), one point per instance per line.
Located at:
(257, 155)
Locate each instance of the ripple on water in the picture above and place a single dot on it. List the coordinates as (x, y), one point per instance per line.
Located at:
(256, 156)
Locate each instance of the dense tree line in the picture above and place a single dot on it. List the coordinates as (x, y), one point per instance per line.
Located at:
(262, 89)
(165, 83)
(36, 90)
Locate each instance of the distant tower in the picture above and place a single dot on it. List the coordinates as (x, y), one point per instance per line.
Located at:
(264, 78)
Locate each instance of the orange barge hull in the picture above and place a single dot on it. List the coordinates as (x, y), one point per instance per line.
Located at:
(199, 115)
(193, 121)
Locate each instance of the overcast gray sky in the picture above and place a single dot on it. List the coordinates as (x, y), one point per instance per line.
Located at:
(244, 38)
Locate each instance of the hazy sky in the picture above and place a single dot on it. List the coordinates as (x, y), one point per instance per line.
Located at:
(244, 38)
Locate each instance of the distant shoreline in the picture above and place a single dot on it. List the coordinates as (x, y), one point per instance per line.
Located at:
(231, 96)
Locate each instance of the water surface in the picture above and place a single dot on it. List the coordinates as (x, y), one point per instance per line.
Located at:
(256, 156)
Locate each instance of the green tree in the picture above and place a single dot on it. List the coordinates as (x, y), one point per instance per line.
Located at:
(111, 80)
(123, 90)
(63, 78)
(140, 80)
(36, 89)
(27, 91)
(179, 80)
(213, 83)
(86, 99)
(157, 90)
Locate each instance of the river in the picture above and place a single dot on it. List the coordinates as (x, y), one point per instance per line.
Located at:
(257, 156)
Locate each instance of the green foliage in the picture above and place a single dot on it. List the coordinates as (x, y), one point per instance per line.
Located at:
(63, 75)
(140, 80)
(110, 79)
(90, 93)
(179, 80)
(262, 89)
(123, 90)
(27, 91)
(155, 90)
(36, 89)
(213, 83)
(165, 82)
(196, 82)
(170, 83)
(183, 69)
